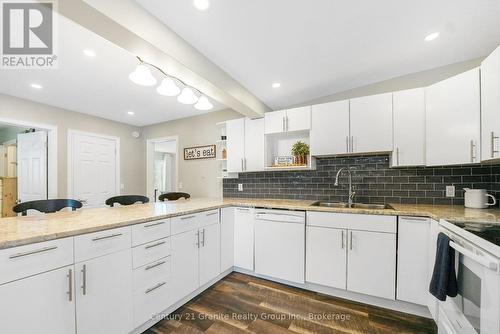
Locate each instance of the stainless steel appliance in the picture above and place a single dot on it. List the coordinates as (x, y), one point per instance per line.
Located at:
(476, 308)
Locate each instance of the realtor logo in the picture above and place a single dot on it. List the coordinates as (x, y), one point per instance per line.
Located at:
(28, 35)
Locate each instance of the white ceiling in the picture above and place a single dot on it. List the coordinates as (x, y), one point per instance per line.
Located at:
(316, 48)
(97, 86)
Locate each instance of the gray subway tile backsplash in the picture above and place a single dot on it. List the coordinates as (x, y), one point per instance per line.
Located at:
(373, 180)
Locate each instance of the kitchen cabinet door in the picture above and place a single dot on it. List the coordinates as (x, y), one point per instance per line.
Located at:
(330, 128)
(103, 287)
(453, 120)
(235, 132)
(490, 106)
(371, 123)
(413, 267)
(432, 302)
(244, 225)
(184, 264)
(274, 122)
(227, 238)
(209, 253)
(371, 263)
(298, 119)
(326, 256)
(409, 128)
(254, 145)
(39, 304)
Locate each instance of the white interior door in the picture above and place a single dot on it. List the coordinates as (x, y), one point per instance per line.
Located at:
(32, 166)
(94, 169)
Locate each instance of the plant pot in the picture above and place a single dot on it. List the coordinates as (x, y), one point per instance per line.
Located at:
(301, 160)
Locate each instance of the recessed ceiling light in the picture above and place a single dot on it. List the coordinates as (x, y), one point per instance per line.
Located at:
(201, 4)
(131, 113)
(432, 36)
(36, 86)
(89, 53)
(276, 85)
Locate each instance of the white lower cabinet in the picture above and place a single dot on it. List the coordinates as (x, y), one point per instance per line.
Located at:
(184, 264)
(209, 253)
(104, 294)
(42, 303)
(326, 256)
(371, 263)
(413, 259)
(226, 239)
(244, 226)
(356, 252)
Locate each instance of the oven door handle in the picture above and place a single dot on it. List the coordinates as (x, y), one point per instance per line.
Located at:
(488, 264)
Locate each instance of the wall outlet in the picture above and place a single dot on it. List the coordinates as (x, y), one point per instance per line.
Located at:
(450, 191)
(240, 186)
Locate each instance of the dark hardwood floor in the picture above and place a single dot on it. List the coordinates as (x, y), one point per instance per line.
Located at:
(244, 304)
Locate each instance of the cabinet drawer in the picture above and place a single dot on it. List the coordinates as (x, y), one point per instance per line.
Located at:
(152, 290)
(150, 231)
(24, 261)
(150, 252)
(375, 223)
(208, 218)
(92, 245)
(184, 223)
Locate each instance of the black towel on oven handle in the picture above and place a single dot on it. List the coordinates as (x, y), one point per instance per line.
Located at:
(444, 279)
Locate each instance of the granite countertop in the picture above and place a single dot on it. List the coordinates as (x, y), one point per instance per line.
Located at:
(17, 231)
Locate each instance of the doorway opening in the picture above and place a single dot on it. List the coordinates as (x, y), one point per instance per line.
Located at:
(162, 166)
(25, 166)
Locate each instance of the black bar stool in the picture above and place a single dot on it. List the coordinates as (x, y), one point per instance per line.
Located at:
(173, 196)
(47, 205)
(126, 200)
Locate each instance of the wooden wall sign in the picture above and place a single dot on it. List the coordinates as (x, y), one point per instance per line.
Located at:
(200, 152)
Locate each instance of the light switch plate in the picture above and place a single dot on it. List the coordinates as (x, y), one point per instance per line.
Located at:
(450, 191)
(240, 186)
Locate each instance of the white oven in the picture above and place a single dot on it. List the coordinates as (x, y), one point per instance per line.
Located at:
(476, 308)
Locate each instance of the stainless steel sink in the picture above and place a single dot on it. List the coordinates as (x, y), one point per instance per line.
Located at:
(354, 206)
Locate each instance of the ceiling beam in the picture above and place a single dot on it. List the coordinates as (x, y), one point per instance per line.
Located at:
(129, 26)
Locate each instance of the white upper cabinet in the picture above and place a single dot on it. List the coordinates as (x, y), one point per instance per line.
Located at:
(490, 106)
(297, 119)
(275, 122)
(235, 131)
(330, 128)
(453, 120)
(409, 127)
(371, 124)
(254, 145)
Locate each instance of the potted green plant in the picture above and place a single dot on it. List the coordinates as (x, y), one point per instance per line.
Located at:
(300, 151)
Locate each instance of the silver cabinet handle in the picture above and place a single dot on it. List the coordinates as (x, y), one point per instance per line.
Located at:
(347, 144)
(472, 146)
(84, 279)
(203, 238)
(187, 217)
(420, 219)
(70, 285)
(245, 164)
(242, 169)
(283, 124)
(342, 240)
(198, 238)
(350, 246)
(212, 213)
(286, 123)
(157, 286)
(107, 237)
(155, 265)
(155, 245)
(154, 224)
(493, 138)
(352, 144)
(242, 209)
(397, 156)
(36, 251)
